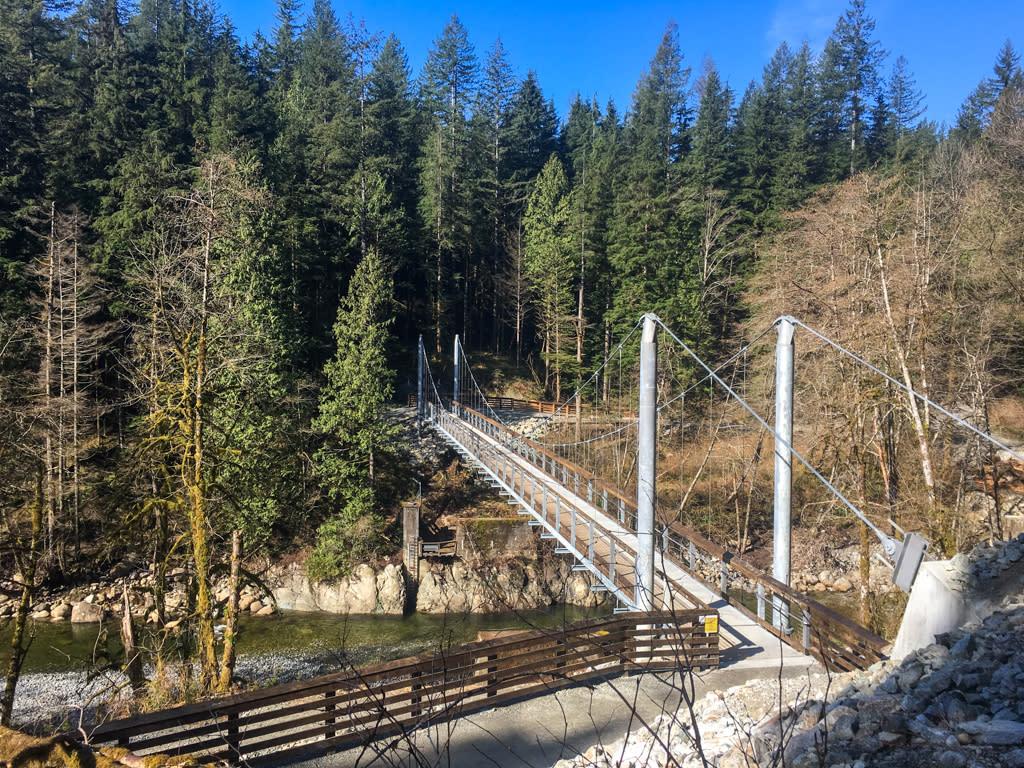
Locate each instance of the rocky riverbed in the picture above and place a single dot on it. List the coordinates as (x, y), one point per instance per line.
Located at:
(104, 598)
(47, 700)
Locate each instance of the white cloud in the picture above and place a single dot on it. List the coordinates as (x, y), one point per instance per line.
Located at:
(797, 20)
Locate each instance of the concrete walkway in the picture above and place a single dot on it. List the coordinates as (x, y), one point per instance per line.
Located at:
(540, 731)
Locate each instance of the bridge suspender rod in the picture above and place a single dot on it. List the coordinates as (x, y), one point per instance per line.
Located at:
(648, 431)
(783, 465)
(419, 386)
(455, 391)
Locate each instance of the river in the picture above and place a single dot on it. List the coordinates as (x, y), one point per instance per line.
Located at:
(328, 638)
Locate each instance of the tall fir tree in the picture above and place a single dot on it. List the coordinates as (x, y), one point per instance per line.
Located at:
(351, 421)
(392, 137)
(550, 266)
(446, 90)
(710, 158)
(646, 249)
(849, 82)
(976, 111)
(29, 67)
(494, 222)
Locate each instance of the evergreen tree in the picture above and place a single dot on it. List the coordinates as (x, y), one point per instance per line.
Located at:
(645, 247)
(578, 133)
(447, 86)
(532, 130)
(712, 268)
(795, 169)
(236, 112)
(491, 129)
(550, 266)
(976, 111)
(593, 204)
(710, 159)
(880, 137)
(29, 65)
(1006, 71)
(351, 419)
(906, 101)
(849, 84)
(391, 147)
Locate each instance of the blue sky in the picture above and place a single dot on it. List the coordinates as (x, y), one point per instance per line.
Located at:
(600, 48)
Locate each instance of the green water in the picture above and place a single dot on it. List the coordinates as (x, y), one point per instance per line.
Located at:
(357, 640)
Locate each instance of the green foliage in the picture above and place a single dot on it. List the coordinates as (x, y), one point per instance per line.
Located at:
(370, 207)
(353, 536)
(352, 402)
(849, 86)
(550, 265)
(646, 237)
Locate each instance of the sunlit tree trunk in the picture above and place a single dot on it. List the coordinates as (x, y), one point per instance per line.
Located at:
(27, 557)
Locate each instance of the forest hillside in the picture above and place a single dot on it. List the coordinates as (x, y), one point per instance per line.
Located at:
(217, 256)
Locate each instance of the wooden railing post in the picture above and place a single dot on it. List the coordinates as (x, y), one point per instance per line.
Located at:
(329, 709)
(234, 743)
(492, 677)
(414, 687)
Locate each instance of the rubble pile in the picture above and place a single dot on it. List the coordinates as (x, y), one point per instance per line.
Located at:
(958, 702)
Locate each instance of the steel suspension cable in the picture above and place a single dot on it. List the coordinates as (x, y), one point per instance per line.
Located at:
(835, 491)
(901, 385)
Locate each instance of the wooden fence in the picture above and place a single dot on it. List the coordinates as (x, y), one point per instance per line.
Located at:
(806, 625)
(517, 404)
(342, 710)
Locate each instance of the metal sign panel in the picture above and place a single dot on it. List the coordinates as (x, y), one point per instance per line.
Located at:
(909, 560)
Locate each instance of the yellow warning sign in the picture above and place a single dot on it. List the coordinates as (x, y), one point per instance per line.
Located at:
(710, 624)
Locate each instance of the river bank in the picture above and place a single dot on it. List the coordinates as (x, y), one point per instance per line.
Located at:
(67, 674)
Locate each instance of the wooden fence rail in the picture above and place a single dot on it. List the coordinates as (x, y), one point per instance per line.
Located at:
(345, 709)
(518, 404)
(808, 626)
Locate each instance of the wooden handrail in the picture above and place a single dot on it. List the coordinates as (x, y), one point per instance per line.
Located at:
(349, 708)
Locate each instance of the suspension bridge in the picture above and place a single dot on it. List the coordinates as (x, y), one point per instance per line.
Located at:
(650, 562)
(603, 475)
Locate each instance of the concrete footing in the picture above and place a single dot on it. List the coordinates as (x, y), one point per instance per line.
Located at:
(938, 603)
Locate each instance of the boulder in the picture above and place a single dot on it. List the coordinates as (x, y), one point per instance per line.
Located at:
(364, 591)
(1001, 732)
(391, 591)
(86, 613)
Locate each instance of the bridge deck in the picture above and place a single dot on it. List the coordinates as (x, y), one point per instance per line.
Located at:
(607, 547)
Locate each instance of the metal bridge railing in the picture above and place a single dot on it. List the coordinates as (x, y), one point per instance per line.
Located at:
(803, 623)
(598, 548)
